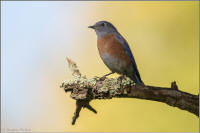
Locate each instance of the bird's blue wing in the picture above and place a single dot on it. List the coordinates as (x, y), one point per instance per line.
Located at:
(128, 51)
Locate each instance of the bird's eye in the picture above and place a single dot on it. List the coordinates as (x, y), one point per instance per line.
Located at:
(103, 24)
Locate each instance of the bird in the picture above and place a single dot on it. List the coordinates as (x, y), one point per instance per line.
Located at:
(115, 51)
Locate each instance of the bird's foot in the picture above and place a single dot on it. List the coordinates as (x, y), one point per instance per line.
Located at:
(122, 77)
(104, 76)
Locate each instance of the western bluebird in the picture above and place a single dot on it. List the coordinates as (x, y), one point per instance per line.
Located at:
(115, 52)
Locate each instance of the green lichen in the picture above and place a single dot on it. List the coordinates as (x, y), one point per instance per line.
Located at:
(125, 92)
(106, 85)
(127, 81)
(114, 90)
(111, 86)
(92, 82)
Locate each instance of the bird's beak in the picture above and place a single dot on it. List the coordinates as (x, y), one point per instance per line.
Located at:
(93, 27)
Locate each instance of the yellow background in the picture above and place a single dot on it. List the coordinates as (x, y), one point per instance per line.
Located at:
(37, 37)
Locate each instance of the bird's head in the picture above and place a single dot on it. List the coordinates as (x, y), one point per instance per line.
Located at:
(103, 28)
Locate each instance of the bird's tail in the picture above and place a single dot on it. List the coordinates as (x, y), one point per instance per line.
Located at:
(137, 79)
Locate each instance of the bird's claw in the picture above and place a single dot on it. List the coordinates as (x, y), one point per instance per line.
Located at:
(102, 78)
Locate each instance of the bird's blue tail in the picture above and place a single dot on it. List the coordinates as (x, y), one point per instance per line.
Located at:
(136, 79)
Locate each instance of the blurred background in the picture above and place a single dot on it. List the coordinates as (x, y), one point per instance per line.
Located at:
(38, 36)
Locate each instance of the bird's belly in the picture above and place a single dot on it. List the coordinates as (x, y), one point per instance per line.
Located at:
(114, 64)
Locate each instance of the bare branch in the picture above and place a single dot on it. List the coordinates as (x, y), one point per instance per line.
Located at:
(84, 90)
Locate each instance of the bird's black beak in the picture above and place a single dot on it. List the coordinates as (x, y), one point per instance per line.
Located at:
(93, 27)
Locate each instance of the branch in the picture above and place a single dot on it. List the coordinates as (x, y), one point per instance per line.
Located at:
(84, 90)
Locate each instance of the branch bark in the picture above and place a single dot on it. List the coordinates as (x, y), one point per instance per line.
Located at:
(84, 90)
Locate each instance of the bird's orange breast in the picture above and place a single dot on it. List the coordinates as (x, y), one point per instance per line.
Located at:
(110, 45)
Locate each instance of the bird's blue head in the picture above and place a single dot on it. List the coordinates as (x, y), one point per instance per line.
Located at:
(103, 28)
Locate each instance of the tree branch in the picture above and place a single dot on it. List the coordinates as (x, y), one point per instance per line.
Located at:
(84, 90)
